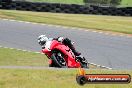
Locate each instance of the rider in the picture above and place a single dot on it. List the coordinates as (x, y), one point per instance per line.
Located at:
(42, 39)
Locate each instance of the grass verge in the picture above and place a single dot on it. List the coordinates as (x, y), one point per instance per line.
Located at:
(80, 2)
(30, 78)
(9, 57)
(98, 22)
(126, 3)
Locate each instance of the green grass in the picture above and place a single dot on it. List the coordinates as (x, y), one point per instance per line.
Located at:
(31, 78)
(126, 3)
(98, 22)
(20, 58)
(60, 1)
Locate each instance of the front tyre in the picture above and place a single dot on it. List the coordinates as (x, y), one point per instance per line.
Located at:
(58, 60)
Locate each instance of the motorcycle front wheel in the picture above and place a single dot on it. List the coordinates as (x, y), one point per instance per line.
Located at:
(59, 60)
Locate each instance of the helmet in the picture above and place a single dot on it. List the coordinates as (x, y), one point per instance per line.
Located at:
(42, 39)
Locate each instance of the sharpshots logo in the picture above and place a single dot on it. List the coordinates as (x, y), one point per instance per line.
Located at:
(102, 78)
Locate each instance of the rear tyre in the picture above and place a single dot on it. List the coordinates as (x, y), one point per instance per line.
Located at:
(83, 61)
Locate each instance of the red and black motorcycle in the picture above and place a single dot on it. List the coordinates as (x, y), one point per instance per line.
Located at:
(61, 56)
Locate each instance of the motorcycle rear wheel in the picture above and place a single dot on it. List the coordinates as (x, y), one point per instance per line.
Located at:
(83, 62)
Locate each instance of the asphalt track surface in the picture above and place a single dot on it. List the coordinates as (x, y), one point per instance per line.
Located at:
(107, 50)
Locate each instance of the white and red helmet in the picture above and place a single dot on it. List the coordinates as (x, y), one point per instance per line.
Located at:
(42, 39)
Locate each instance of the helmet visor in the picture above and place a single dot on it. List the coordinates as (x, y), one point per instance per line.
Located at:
(42, 43)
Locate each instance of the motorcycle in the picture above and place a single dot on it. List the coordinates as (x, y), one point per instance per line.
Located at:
(62, 56)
